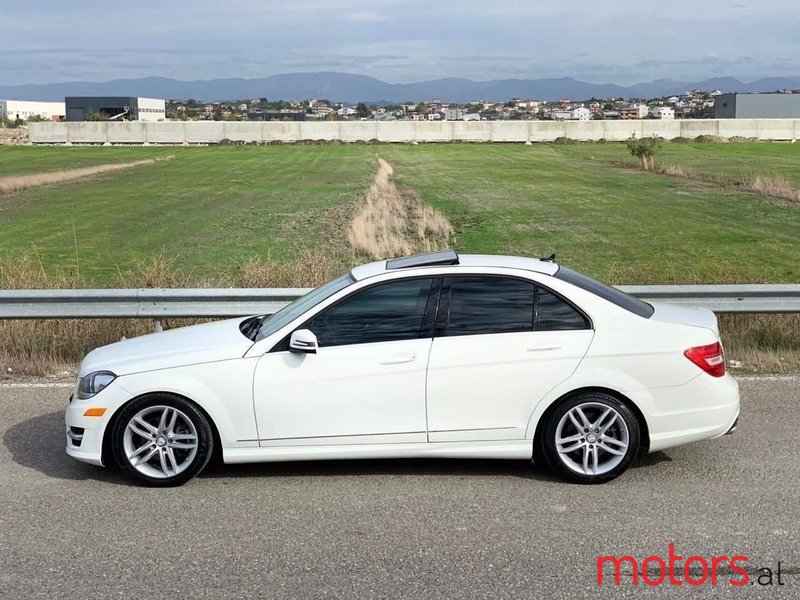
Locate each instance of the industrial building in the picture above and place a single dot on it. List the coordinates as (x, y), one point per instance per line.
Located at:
(25, 110)
(122, 108)
(757, 106)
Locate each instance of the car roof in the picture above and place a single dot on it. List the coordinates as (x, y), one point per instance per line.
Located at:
(545, 267)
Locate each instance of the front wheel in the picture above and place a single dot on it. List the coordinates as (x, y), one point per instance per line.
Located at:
(590, 438)
(161, 440)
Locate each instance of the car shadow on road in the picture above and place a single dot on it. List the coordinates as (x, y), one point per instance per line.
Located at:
(412, 467)
(38, 444)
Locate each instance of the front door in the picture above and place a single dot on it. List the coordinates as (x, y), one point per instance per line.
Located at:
(365, 384)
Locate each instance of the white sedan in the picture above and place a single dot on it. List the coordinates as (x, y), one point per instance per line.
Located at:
(434, 355)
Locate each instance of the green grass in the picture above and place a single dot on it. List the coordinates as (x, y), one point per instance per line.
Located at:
(208, 208)
(212, 207)
(736, 161)
(619, 224)
(21, 160)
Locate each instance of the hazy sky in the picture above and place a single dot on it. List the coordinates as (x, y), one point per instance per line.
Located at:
(619, 41)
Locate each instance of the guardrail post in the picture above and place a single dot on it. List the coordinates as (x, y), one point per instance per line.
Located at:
(157, 327)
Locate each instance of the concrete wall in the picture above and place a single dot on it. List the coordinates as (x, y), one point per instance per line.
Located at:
(213, 132)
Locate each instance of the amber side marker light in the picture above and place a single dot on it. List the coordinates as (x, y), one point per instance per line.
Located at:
(94, 412)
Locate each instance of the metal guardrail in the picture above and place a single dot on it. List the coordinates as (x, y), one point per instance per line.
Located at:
(160, 304)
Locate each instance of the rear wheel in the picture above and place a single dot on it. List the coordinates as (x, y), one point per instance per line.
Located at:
(162, 440)
(590, 438)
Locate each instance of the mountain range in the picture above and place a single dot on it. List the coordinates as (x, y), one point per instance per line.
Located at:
(346, 87)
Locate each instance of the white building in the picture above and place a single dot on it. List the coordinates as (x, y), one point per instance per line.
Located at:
(581, 114)
(662, 112)
(22, 109)
(453, 114)
(346, 111)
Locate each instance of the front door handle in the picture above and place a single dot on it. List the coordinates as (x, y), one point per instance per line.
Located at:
(552, 345)
(399, 359)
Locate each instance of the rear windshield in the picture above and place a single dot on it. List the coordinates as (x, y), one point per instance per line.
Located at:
(613, 295)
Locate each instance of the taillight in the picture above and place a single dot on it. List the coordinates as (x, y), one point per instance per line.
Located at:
(709, 358)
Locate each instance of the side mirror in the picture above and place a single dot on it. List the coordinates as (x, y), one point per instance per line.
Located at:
(303, 340)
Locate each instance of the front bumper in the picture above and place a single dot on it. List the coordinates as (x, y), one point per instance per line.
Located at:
(84, 435)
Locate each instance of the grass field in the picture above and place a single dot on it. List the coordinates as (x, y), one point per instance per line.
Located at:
(284, 216)
(212, 208)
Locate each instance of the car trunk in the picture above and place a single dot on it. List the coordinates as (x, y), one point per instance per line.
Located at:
(684, 315)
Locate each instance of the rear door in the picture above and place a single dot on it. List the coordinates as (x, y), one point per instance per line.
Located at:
(501, 343)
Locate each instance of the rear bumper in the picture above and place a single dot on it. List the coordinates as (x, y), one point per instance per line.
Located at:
(706, 407)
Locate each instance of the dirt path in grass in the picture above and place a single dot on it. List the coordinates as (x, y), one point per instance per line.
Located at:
(17, 183)
(395, 222)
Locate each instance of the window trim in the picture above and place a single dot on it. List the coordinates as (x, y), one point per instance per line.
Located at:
(426, 330)
(443, 316)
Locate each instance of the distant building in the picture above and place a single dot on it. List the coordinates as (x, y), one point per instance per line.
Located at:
(634, 111)
(560, 115)
(124, 108)
(757, 106)
(453, 114)
(581, 114)
(25, 110)
(662, 112)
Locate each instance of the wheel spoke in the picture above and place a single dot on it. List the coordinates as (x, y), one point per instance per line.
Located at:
(183, 436)
(567, 450)
(594, 459)
(609, 449)
(609, 423)
(581, 414)
(171, 457)
(172, 421)
(586, 453)
(598, 423)
(575, 421)
(140, 449)
(182, 445)
(163, 457)
(609, 440)
(162, 425)
(147, 429)
(569, 438)
(146, 457)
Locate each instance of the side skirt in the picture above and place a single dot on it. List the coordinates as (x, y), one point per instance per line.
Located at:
(513, 449)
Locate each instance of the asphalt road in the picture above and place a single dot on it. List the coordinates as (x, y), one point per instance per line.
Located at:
(392, 529)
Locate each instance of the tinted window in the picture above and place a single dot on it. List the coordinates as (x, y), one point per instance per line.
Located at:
(553, 314)
(388, 312)
(613, 295)
(480, 305)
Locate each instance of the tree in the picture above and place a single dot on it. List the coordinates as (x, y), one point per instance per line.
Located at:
(644, 149)
(362, 110)
(95, 116)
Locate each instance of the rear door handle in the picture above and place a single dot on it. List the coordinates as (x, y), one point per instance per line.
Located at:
(553, 345)
(399, 359)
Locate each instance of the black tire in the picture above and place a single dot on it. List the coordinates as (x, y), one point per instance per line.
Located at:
(597, 402)
(191, 465)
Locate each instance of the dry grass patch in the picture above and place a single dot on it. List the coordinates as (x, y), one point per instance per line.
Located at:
(17, 183)
(394, 222)
(775, 186)
(55, 346)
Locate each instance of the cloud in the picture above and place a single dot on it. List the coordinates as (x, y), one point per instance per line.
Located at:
(399, 40)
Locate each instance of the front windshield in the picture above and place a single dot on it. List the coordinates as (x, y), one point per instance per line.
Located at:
(291, 311)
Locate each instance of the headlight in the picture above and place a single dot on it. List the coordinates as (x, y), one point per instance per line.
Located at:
(93, 383)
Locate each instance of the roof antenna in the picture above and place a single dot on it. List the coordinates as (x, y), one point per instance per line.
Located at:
(551, 258)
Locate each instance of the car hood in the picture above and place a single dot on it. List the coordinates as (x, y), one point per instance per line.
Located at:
(684, 315)
(208, 342)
